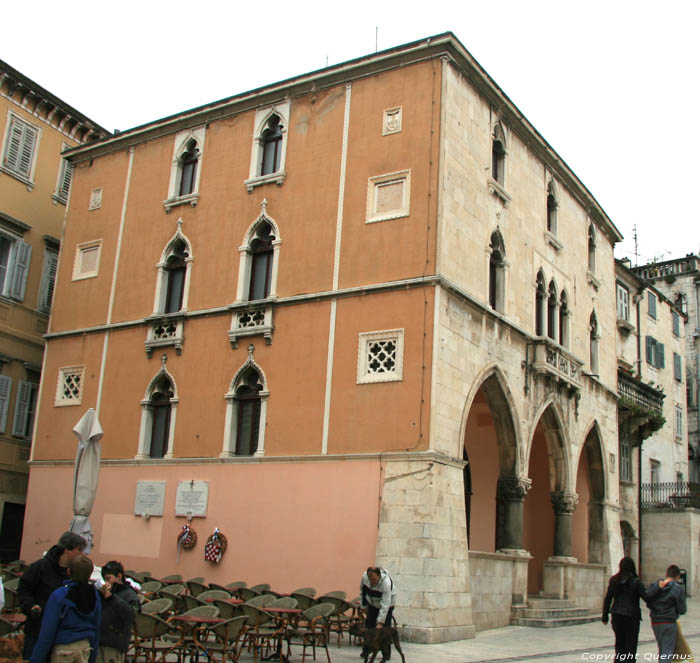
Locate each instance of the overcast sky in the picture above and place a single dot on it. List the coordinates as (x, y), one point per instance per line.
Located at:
(612, 86)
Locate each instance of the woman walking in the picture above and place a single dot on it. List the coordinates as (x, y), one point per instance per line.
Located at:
(624, 591)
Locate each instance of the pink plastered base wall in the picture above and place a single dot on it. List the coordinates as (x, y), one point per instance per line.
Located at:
(289, 524)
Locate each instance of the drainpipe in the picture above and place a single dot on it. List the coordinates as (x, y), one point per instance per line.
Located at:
(639, 448)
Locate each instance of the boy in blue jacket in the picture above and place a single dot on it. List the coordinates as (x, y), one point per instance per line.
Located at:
(666, 601)
(71, 624)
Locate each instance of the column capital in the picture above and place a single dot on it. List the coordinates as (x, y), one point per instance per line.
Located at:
(563, 502)
(513, 489)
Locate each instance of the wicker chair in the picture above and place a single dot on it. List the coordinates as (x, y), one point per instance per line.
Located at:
(157, 606)
(312, 631)
(149, 641)
(223, 642)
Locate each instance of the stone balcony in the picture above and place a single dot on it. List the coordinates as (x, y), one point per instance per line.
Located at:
(551, 360)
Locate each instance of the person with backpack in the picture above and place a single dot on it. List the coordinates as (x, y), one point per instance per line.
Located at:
(71, 624)
(624, 591)
(666, 601)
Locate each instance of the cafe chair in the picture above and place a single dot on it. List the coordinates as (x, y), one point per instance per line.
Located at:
(196, 586)
(223, 641)
(246, 593)
(260, 601)
(149, 640)
(227, 610)
(261, 587)
(220, 594)
(312, 631)
(263, 632)
(304, 601)
(157, 607)
(309, 591)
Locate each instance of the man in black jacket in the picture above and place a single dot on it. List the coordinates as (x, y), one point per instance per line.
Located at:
(666, 601)
(38, 582)
(120, 603)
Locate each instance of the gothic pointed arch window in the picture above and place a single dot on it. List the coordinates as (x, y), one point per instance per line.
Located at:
(591, 248)
(540, 304)
(552, 311)
(171, 295)
(246, 412)
(158, 411)
(175, 270)
(257, 279)
(497, 270)
(269, 146)
(261, 259)
(552, 206)
(498, 154)
(594, 335)
(271, 140)
(563, 320)
(188, 168)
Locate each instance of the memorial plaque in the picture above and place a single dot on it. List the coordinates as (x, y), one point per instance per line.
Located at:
(192, 498)
(150, 498)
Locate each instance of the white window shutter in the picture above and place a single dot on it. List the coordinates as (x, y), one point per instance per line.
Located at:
(5, 391)
(66, 179)
(20, 270)
(48, 280)
(24, 394)
(14, 146)
(26, 156)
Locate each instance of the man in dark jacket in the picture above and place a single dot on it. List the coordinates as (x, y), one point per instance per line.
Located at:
(40, 580)
(119, 605)
(666, 601)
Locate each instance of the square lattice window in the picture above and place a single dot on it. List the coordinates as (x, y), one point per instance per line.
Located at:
(69, 390)
(380, 356)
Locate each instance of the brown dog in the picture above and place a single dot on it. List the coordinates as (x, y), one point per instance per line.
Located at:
(378, 638)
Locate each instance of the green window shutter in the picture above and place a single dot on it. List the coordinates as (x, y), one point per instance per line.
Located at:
(20, 270)
(14, 146)
(65, 179)
(660, 355)
(5, 391)
(26, 156)
(24, 395)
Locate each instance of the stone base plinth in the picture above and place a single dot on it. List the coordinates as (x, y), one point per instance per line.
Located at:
(426, 635)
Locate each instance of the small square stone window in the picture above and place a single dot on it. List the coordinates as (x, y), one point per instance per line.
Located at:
(380, 356)
(388, 196)
(69, 390)
(87, 260)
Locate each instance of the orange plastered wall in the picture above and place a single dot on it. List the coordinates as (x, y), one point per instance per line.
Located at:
(405, 247)
(375, 417)
(327, 548)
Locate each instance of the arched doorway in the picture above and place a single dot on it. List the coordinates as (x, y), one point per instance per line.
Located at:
(588, 526)
(489, 448)
(547, 470)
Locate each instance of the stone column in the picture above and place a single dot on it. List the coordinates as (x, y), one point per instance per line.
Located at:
(564, 504)
(511, 494)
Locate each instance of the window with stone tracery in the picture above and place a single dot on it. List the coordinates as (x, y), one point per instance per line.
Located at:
(69, 390)
(380, 356)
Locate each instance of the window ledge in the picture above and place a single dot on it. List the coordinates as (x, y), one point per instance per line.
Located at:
(592, 279)
(276, 178)
(253, 321)
(59, 199)
(497, 189)
(550, 238)
(624, 326)
(190, 199)
(18, 176)
(67, 403)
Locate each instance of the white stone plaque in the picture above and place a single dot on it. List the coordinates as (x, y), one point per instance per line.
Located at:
(192, 498)
(150, 498)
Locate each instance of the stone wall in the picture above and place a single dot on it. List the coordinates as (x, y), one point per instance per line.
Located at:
(498, 583)
(671, 537)
(582, 583)
(423, 543)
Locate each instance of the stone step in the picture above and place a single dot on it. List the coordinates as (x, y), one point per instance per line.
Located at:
(544, 602)
(554, 622)
(537, 612)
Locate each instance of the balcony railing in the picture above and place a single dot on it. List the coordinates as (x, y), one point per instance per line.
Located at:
(551, 359)
(639, 394)
(667, 268)
(671, 495)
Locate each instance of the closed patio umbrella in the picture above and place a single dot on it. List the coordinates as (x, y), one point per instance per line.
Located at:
(87, 468)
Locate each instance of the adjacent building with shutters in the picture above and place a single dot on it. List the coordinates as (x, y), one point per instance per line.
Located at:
(370, 313)
(35, 180)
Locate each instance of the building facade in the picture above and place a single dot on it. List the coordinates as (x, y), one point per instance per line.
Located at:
(369, 311)
(34, 188)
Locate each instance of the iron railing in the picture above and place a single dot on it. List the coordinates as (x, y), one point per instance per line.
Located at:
(671, 495)
(639, 393)
(668, 268)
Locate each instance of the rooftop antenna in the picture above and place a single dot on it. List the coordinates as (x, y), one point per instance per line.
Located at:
(376, 38)
(636, 246)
